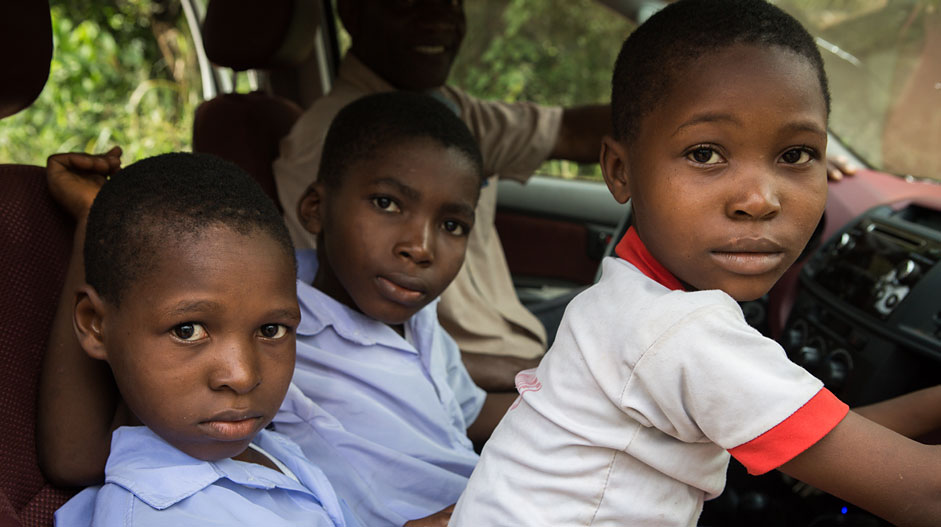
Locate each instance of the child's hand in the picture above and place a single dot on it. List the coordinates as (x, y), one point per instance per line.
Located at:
(838, 167)
(75, 179)
(438, 519)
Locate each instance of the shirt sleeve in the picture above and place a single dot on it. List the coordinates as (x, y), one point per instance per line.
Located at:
(514, 138)
(467, 394)
(712, 377)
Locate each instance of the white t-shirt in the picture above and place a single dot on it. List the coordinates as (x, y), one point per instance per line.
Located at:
(631, 415)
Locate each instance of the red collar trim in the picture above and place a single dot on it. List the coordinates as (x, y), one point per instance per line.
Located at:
(630, 248)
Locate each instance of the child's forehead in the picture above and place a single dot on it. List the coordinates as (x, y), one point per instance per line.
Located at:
(723, 68)
(405, 158)
(204, 251)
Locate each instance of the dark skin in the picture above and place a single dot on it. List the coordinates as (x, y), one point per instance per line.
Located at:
(410, 233)
(80, 406)
(759, 176)
(412, 45)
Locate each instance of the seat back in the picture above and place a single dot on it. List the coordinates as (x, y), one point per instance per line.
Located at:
(246, 128)
(35, 245)
(36, 237)
(245, 34)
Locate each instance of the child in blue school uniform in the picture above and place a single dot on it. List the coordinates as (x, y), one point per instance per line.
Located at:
(655, 379)
(381, 401)
(189, 298)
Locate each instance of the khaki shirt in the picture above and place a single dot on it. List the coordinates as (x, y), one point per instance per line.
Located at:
(480, 308)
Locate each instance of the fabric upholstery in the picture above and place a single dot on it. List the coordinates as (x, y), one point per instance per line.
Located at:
(35, 236)
(246, 128)
(247, 34)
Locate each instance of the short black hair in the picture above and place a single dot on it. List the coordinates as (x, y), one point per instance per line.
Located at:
(165, 199)
(381, 120)
(655, 53)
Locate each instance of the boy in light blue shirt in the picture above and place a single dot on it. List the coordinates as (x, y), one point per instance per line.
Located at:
(392, 210)
(189, 298)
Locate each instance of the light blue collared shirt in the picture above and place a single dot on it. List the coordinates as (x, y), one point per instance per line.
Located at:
(395, 410)
(148, 482)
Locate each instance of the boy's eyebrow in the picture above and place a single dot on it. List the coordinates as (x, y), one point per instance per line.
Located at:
(186, 306)
(796, 126)
(406, 190)
(411, 193)
(459, 209)
(706, 118)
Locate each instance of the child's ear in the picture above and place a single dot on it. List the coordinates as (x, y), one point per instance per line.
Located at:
(615, 168)
(310, 208)
(88, 318)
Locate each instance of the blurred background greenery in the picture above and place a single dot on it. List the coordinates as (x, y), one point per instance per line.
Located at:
(125, 72)
(122, 73)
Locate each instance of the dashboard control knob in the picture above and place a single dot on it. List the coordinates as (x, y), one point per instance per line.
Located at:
(839, 363)
(809, 357)
(907, 271)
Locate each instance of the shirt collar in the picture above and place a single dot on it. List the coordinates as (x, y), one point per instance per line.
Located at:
(633, 250)
(320, 311)
(160, 475)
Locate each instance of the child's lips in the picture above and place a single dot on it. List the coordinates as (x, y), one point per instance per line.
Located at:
(402, 289)
(748, 263)
(749, 256)
(227, 426)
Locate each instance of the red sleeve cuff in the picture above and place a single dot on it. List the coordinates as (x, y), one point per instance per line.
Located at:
(792, 436)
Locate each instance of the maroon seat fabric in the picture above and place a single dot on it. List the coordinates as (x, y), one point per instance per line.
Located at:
(35, 245)
(245, 34)
(246, 128)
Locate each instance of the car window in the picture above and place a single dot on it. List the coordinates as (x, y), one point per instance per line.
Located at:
(122, 72)
(546, 51)
(883, 60)
(550, 52)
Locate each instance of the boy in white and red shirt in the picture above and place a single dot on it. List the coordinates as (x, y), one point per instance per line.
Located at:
(655, 378)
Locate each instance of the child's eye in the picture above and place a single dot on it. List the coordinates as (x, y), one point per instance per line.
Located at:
(273, 331)
(386, 204)
(798, 156)
(455, 227)
(704, 155)
(189, 331)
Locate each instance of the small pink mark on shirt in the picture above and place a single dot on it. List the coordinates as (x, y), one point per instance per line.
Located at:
(526, 381)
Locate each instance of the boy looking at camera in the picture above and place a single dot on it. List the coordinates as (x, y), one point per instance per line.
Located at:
(189, 298)
(655, 379)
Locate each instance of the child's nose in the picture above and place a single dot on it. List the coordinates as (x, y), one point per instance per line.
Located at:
(416, 243)
(755, 196)
(236, 368)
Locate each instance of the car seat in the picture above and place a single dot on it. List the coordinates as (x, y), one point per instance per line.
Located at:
(35, 236)
(246, 128)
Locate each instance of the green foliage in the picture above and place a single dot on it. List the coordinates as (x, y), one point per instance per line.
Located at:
(122, 74)
(546, 51)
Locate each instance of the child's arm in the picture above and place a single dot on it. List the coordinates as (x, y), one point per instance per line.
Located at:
(438, 519)
(874, 468)
(913, 415)
(77, 396)
(495, 406)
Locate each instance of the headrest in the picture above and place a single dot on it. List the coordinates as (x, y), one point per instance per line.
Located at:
(248, 34)
(26, 46)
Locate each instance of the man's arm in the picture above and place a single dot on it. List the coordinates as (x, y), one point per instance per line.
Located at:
(77, 395)
(914, 415)
(580, 133)
(874, 468)
(495, 406)
(495, 373)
